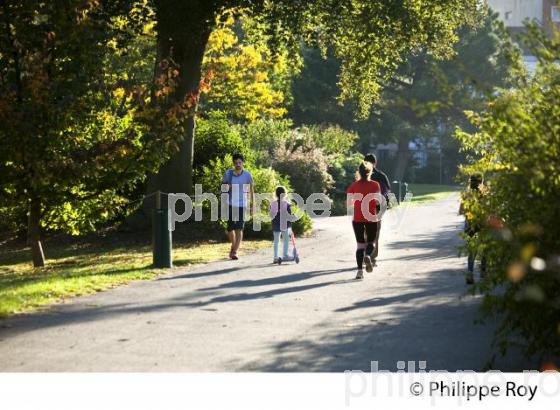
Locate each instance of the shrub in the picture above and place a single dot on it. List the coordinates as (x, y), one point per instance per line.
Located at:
(343, 171)
(265, 137)
(518, 147)
(306, 168)
(215, 138)
(331, 139)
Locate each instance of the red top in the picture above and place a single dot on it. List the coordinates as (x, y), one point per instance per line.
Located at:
(364, 188)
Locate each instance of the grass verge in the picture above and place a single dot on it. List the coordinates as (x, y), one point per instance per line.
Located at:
(79, 269)
(430, 192)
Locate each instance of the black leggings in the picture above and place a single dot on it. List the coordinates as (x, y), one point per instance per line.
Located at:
(365, 233)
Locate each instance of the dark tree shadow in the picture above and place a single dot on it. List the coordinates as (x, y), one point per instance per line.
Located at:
(443, 333)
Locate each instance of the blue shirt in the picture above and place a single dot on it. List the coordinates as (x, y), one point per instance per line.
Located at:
(240, 185)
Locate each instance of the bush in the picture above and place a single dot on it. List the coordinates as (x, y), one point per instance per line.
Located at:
(518, 147)
(216, 138)
(265, 137)
(12, 219)
(343, 171)
(303, 224)
(306, 168)
(331, 139)
(303, 154)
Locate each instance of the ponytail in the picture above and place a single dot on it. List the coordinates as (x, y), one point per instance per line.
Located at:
(279, 191)
(364, 171)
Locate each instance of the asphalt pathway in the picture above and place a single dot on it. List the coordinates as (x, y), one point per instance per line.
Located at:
(250, 315)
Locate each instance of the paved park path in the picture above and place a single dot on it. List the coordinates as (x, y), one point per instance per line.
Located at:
(250, 315)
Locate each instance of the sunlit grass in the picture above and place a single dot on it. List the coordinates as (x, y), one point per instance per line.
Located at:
(73, 270)
(431, 192)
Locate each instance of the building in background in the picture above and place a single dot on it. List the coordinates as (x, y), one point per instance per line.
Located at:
(514, 14)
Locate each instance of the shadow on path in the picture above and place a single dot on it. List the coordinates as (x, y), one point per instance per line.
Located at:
(441, 331)
(434, 245)
(79, 313)
(278, 279)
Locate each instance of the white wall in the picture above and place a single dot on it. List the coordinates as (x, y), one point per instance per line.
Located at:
(514, 12)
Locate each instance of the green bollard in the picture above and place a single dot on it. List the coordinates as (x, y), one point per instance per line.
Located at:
(399, 199)
(161, 239)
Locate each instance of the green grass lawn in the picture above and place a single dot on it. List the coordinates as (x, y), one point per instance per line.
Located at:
(73, 270)
(430, 192)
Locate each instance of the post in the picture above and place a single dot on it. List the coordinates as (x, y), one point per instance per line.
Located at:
(441, 166)
(161, 236)
(399, 195)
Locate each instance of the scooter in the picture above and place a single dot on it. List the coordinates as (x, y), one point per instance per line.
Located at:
(295, 255)
(295, 252)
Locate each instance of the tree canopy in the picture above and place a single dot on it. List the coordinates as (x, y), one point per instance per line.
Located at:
(76, 128)
(424, 97)
(370, 38)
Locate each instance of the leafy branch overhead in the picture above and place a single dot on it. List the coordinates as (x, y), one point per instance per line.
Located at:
(370, 38)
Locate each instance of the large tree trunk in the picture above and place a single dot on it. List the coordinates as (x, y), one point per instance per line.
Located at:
(34, 233)
(183, 32)
(403, 156)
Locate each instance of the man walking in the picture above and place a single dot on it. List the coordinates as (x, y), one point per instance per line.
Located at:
(238, 182)
(381, 178)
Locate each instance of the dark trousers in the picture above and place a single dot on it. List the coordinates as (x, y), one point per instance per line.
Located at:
(376, 249)
(365, 233)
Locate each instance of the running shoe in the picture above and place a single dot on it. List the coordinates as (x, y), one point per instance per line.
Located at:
(367, 262)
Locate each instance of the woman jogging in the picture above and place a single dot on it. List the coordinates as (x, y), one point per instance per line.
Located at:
(362, 195)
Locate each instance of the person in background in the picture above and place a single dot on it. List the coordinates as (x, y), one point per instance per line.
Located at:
(475, 191)
(381, 178)
(281, 226)
(364, 223)
(238, 182)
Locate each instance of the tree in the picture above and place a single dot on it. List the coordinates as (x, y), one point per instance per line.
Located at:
(75, 131)
(246, 82)
(424, 97)
(369, 37)
(516, 146)
(427, 98)
(315, 93)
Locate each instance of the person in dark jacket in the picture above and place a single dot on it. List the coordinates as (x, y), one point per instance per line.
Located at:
(381, 178)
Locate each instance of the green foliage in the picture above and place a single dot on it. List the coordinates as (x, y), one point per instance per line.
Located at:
(266, 136)
(315, 91)
(333, 140)
(306, 167)
(517, 147)
(216, 137)
(369, 38)
(423, 98)
(303, 154)
(76, 125)
(343, 171)
(246, 82)
(266, 181)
